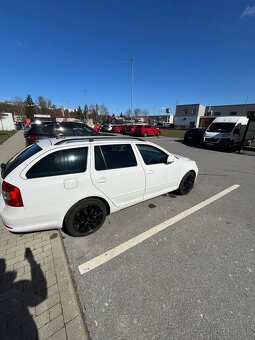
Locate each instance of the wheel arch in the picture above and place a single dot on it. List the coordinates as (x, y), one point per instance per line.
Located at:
(108, 209)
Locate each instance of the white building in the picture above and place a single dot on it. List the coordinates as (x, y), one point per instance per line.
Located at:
(195, 115)
(6, 122)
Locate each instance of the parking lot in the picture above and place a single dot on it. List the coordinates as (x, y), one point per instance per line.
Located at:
(192, 276)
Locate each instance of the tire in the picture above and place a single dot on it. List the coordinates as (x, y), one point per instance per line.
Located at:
(187, 183)
(145, 134)
(230, 146)
(157, 134)
(85, 217)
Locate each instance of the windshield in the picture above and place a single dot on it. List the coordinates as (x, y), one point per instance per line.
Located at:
(18, 159)
(221, 127)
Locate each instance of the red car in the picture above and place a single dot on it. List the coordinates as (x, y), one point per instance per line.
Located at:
(131, 129)
(117, 128)
(147, 130)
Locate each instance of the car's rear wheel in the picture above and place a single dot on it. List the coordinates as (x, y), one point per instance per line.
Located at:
(187, 183)
(85, 217)
(230, 146)
(145, 134)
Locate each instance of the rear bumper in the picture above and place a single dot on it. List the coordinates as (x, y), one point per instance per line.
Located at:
(19, 220)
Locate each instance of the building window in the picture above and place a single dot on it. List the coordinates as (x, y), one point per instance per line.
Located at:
(217, 113)
(185, 111)
(193, 111)
(233, 113)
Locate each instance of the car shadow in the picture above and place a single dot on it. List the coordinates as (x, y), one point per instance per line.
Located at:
(17, 297)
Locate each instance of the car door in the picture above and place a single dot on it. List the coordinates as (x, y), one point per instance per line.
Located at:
(161, 177)
(117, 173)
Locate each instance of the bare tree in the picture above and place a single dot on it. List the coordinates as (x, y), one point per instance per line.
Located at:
(41, 102)
(19, 105)
(137, 112)
(145, 112)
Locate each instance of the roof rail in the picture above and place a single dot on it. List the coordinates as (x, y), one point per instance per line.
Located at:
(95, 138)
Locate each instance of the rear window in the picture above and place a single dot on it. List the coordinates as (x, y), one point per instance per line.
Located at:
(18, 159)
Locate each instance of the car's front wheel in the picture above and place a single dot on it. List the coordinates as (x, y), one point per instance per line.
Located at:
(145, 134)
(187, 183)
(85, 217)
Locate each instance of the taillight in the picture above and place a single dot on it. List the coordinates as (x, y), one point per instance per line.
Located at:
(31, 138)
(11, 195)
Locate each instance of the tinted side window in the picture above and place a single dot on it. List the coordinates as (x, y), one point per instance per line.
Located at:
(83, 130)
(41, 129)
(152, 155)
(47, 128)
(70, 161)
(114, 156)
(64, 129)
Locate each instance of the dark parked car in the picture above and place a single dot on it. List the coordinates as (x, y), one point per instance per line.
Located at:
(57, 129)
(194, 135)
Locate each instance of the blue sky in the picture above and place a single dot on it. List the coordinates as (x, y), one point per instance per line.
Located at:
(73, 52)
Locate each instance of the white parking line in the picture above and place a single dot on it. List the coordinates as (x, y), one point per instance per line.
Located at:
(107, 256)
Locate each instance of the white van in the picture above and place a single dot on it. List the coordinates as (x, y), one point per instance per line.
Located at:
(225, 132)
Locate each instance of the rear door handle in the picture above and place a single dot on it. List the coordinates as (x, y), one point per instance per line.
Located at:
(101, 180)
(150, 172)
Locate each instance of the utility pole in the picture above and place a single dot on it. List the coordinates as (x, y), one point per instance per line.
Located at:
(130, 62)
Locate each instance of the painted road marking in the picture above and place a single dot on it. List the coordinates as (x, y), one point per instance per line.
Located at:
(107, 256)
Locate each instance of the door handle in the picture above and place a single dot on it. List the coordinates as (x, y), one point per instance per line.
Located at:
(150, 172)
(101, 180)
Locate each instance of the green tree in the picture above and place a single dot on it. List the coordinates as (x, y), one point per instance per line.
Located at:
(86, 112)
(29, 107)
(79, 113)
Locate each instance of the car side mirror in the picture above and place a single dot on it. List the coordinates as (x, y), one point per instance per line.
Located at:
(170, 159)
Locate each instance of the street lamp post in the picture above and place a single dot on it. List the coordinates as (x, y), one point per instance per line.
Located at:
(130, 62)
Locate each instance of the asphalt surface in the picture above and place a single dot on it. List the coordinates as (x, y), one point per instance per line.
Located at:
(193, 280)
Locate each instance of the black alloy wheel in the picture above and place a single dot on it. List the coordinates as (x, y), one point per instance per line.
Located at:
(85, 217)
(187, 183)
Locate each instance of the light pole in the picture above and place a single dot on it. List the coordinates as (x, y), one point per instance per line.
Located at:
(130, 62)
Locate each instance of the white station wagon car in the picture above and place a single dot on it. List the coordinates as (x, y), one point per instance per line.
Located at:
(74, 183)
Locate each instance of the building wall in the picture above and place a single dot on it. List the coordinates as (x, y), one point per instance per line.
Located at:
(6, 122)
(229, 110)
(187, 116)
(199, 115)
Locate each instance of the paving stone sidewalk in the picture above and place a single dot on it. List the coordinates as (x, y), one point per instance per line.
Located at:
(37, 296)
